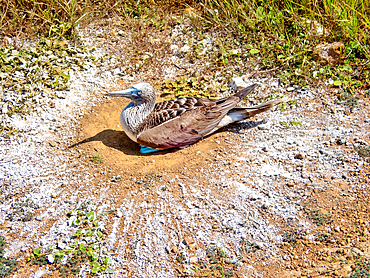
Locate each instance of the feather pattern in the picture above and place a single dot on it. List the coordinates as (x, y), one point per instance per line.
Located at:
(180, 122)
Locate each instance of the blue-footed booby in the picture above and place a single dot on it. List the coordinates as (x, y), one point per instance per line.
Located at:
(180, 122)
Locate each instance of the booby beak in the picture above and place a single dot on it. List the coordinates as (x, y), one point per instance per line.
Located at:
(130, 93)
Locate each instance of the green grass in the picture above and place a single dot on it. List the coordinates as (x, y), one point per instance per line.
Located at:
(270, 36)
(281, 38)
(50, 17)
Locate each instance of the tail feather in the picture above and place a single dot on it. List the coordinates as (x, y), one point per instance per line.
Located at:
(240, 114)
(249, 112)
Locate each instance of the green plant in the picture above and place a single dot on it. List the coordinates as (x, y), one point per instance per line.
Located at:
(251, 247)
(324, 237)
(319, 218)
(363, 151)
(180, 258)
(295, 123)
(292, 236)
(28, 73)
(58, 17)
(87, 246)
(283, 107)
(7, 265)
(22, 211)
(348, 99)
(7, 131)
(290, 124)
(218, 265)
(361, 269)
(183, 87)
(96, 158)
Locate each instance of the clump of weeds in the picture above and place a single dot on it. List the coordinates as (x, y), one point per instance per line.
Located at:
(86, 246)
(217, 265)
(363, 151)
(183, 87)
(324, 237)
(361, 269)
(22, 211)
(148, 179)
(319, 218)
(292, 236)
(250, 247)
(290, 124)
(7, 265)
(96, 159)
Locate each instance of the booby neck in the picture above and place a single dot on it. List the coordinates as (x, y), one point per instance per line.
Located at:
(132, 117)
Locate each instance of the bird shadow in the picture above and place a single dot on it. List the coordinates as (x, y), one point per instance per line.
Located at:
(117, 140)
(120, 141)
(238, 127)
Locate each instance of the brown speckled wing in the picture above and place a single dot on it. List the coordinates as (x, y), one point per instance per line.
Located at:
(187, 103)
(169, 110)
(183, 121)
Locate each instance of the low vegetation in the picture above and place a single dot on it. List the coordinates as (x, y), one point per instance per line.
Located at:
(7, 265)
(85, 247)
(148, 179)
(274, 34)
(361, 269)
(216, 264)
(319, 218)
(96, 158)
(272, 37)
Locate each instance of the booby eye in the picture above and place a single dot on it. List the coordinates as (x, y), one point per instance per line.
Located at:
(137, 92)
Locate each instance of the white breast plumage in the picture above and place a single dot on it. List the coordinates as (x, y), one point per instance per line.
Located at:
(126, 128)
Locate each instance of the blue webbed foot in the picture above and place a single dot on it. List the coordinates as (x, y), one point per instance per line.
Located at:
(144, 149)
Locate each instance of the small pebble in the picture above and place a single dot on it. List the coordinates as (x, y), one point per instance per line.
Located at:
(53, 144)
(193, 260)
(300, 156)
(174, 249)
(188, 240)
(119, 213)
(290, 184)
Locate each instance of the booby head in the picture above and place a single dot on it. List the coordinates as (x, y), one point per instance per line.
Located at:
(139, 93)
